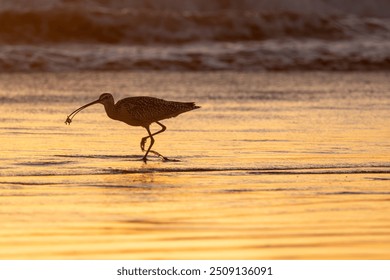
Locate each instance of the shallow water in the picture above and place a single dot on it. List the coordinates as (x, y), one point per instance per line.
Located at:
(273, 166)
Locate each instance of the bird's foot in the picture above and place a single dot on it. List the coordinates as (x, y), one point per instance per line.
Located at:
(144, 159)
(161, 156)
(158, 154)
(143, 142)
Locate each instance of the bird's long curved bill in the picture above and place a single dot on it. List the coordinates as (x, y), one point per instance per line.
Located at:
(71, 116)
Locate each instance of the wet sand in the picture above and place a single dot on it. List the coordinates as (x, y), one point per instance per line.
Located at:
(274, 166)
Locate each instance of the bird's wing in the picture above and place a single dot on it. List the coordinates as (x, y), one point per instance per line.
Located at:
(150, 109)
(144, 108)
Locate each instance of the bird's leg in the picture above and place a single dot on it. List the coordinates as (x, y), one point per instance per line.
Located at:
(143, 142)
(152, 142)
(150, 146)
(144, 139)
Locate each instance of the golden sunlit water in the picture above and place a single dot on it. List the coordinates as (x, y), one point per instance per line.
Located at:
(273, 166)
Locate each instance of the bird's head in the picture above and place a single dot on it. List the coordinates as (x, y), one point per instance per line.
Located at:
(104, 98)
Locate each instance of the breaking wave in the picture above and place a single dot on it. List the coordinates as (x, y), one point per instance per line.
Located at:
(364, 54)
(58, 35)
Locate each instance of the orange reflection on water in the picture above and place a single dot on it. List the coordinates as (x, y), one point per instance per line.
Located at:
(264, 176)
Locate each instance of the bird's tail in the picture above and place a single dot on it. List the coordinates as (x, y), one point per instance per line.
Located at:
(192, 106)
(178, 108)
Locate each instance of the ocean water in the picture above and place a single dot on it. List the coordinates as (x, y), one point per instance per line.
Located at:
(286, 165)
(72, 35)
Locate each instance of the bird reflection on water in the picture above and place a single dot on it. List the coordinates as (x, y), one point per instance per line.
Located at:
(140, 111)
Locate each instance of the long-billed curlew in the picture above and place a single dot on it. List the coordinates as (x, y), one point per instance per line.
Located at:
(140, 111)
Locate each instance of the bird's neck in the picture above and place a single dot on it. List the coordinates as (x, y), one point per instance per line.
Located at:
(111, 110)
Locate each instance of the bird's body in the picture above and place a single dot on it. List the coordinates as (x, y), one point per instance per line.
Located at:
(145, 110)
(140, 111)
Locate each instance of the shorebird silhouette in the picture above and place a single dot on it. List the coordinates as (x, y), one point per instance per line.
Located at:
(140, 111)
